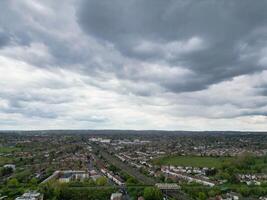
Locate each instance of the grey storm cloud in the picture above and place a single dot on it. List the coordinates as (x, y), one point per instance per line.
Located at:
(230, 31)
(21, 103)
(133, 63)
(16, 107)
(4, 39)
(261, 90)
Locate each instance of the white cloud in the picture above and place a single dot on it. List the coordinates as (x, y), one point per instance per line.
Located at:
(171, 49)
(55, 75)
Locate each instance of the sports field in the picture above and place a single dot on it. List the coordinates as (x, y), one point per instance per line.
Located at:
(193, 161)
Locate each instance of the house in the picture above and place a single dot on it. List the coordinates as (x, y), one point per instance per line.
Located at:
(186, 177)
(112, 177)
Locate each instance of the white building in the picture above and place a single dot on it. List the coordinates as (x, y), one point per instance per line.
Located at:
(32, 195)
(67, 176)
(105, 141)
(116, 196)
(12, 166)
(188, 178)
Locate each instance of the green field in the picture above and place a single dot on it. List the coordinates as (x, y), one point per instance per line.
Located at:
(194, 161)
(5, 160)
(8, 149)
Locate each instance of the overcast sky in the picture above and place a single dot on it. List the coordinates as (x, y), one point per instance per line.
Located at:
(153, 64)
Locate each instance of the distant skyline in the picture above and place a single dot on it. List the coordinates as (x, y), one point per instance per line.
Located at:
(132, 64)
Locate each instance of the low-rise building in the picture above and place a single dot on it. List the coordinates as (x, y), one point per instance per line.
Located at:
(12, 166)
(112, 177)
(32, 195)
(187, 177)
(167, 186)
(67, 176)
(116, 196)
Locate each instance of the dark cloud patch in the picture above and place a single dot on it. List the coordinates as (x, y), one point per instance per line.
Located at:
(131, 21)
(4, 39)
(21, 103)
(264, 92)
(261, 90)
(255, 113)
(16, 107)
(13, 26)
(27, 27)
(17, 99)
(138, 29)
(99, 62)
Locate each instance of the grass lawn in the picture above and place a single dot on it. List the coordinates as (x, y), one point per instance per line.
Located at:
(8, 149)
(5, 160)
(194, 161)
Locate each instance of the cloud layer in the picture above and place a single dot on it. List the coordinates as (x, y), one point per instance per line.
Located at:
(191, 65)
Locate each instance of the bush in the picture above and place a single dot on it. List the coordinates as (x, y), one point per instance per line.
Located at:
(152, 193)
(101, 181)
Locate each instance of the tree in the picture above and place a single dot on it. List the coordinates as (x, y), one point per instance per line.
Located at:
(131, 181)
(152, 193)
(13, 183)
(101, 181)
(24, 175)
(33, 181)
(202, 196)
(244, 190)
(52, 190)
(113, 168)
(6, 171)
(214, 192)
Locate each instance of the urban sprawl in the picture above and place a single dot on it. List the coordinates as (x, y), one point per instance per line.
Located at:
(132, 165)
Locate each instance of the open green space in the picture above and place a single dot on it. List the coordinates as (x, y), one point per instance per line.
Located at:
(5, 160)
(194, 161)
(4, 149)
